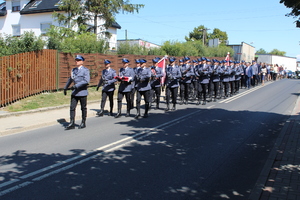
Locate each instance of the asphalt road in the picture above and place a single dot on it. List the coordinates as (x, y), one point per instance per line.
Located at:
(215, 151)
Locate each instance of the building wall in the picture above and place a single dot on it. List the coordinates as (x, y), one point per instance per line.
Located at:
(288, 63)
(243, 51)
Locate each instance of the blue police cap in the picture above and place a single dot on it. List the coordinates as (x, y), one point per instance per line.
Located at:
(203, 58)
(208, 60)
(181, 60)
(237, 62)
(155, 60)
(242, 61)
(143, 61)
(253, 61)
(79, 57)
(172, 59)
(137, 60)
(186, 58)
(158, 58)
(199, 59)
(230, 61)
(125, 60)
(106, 61)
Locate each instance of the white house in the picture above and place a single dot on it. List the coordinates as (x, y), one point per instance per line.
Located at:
(18, 16)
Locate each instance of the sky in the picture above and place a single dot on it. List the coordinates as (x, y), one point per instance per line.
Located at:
(262, 24)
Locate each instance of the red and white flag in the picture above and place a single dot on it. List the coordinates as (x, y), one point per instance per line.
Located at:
(162, 64)
(227, 58)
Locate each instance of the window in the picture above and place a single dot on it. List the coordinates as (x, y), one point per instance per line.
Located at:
(58, 3)
(35, 4)
(45, 26)
(16, 6)
(16, 30)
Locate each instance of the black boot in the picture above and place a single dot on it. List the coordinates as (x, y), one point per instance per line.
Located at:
(127, 113)
(118, 113)
(138, 114)
(100, 113)
(71, 125)
(146, 110)
(181, 101)
(167, 108)
(174, 107)
(110, 112)
(204, 102)
(82, 125)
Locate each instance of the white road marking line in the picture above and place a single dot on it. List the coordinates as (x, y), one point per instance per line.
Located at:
(106, 148)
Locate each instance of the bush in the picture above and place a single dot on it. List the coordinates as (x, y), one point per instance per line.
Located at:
(25, 43)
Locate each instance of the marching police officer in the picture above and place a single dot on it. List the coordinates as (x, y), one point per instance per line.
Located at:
(186, 79)
(238, 76)
(202, 72)
(107, 80)
(225, 80)
(138, 65)
(80, 76)
(172, 75)
(126, 76)
(215, 78)
(156, 74)
(143, 88)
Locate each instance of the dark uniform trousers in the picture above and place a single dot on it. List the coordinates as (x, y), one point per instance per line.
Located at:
(232, 87)
(139, 94)
(237, 85)
(73, 104)
(171, 93)
(157, 92)
(226, 88)
(215, 88)
(110, 96)
(202, 90)
(184, 91)
(128, 100)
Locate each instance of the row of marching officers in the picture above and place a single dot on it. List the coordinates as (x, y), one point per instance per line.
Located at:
(204, 78)
(201, 78)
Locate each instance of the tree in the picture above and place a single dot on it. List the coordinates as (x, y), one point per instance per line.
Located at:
(261, 51)
(277, 52)
(295, 5)
(217, 33)
(93, 11)
(199, 33)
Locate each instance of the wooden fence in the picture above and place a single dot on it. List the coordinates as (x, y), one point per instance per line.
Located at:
(26, 74)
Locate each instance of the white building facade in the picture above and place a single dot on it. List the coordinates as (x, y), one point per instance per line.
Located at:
(19, 16)
(289, 63)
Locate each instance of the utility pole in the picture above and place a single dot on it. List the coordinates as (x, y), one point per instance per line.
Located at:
(204, 31)
(126, 34)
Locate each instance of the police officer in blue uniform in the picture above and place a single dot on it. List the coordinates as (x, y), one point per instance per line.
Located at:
(126, 76)
(173, 74)
(155, 82)
(133, 91)
(225, 80)
(215, 78)
(80, 77)
(143, 88)
(107, 81)
(203, 72)
(238, 75)
(187, 73)
(232, 77)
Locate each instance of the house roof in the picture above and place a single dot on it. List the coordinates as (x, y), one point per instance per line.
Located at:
(40, 6)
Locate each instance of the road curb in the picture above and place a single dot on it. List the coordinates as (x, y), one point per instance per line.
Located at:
(263, 177)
